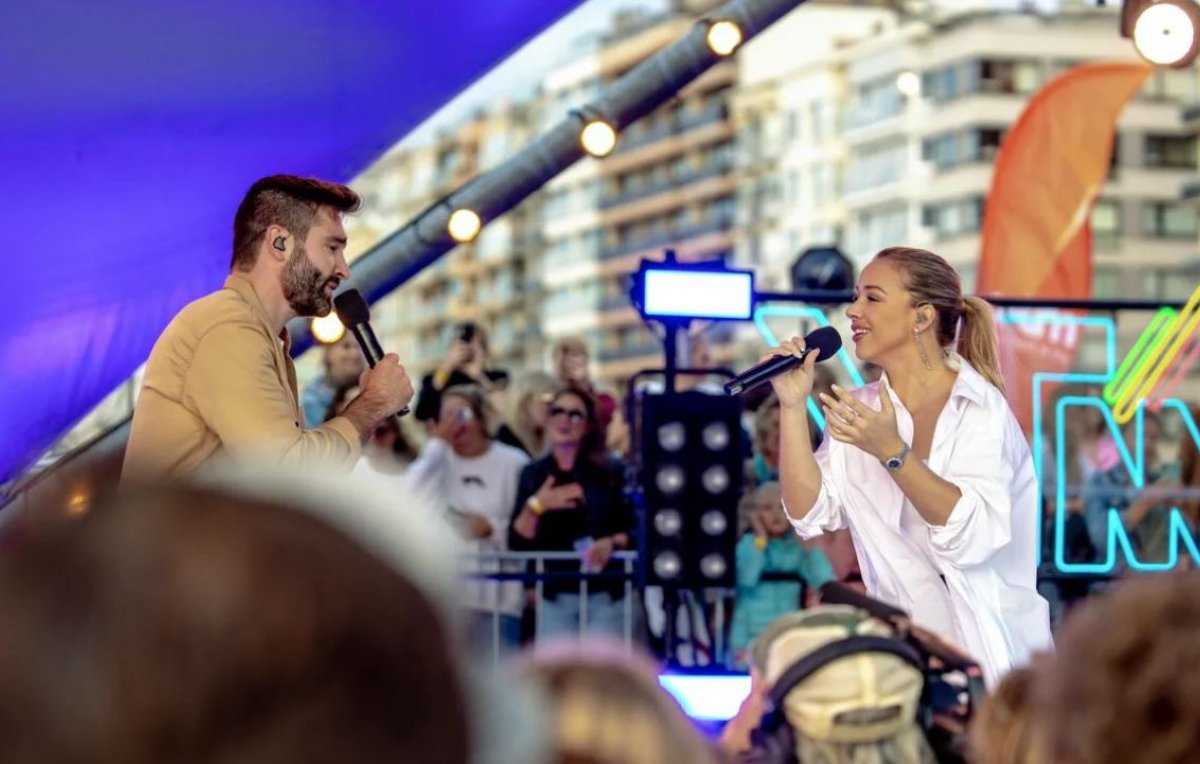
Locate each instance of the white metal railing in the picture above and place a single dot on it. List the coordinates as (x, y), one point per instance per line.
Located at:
(503, 563)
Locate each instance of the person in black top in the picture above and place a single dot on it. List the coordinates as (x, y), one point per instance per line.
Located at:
(465, 364)
(572, 499)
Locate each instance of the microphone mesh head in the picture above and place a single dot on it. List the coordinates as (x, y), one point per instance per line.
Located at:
(351, 308)
(826, 340)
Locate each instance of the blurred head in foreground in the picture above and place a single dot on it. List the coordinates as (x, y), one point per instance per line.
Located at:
(608, 707)
(1122, 686)
(1003, 732)
(190, 624)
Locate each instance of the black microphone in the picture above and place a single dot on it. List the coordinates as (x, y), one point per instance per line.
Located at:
(355, 315)
(825, 340)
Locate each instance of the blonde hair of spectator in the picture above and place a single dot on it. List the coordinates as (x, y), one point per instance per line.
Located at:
(608, 707)
(1003, 730)
(529, 390)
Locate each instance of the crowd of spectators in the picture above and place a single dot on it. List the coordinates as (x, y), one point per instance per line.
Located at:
(534, 461)
(249, 615)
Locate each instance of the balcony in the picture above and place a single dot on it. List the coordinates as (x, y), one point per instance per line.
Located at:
(1191, 190)
(723, 223)
(635, 137)
(714, 169)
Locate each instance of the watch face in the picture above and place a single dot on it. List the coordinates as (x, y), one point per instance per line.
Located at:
(894, 463)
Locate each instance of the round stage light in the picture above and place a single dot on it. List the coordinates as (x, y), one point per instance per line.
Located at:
(909, 83)
(464, 225)
(724, 37)
(669, 479)
(1165, 33)
(598, 138)
(668, 522)
(667, 565)
(713, 522)
(716, 436)
(671, 436)
(327, 329)
(715, 479)
(713, 566)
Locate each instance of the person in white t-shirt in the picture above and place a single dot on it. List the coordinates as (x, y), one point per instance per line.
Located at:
(927, 467)
(474, 478)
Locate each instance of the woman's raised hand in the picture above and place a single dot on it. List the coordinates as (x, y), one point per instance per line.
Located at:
(793, 387)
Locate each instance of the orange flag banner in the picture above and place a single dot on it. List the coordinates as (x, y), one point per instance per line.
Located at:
(1036, 237)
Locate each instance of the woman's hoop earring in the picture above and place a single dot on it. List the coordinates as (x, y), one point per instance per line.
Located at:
(921, 349)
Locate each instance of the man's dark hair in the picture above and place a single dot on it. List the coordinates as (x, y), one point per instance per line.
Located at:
(187, 625)
(286, 200)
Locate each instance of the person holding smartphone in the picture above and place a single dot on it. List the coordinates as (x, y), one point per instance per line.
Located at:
(466, 363)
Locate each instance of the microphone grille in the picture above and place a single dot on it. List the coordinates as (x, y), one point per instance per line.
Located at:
(826, 340)
(351, 308)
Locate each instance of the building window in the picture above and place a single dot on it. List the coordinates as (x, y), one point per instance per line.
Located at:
(874, 102)
(1169, 220)
(1106, 219)
(877, 166)
(954, 218)
(961, 146)
(1171, 151)
(878, 228)
(1008, 76)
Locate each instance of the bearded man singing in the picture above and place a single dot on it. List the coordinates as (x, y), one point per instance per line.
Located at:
(220, 379)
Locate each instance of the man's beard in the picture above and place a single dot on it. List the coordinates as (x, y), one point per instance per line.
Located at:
(304, 286)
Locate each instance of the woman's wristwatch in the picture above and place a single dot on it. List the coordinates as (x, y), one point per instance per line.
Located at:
(894, 463)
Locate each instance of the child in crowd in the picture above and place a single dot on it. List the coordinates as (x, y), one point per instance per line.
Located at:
(771, 563)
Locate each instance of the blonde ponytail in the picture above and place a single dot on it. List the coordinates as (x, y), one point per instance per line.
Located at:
(977, 342)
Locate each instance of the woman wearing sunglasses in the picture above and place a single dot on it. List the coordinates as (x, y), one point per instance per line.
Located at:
(571, 499)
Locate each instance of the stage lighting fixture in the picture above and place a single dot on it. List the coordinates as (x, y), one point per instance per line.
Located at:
(716, 479)
(715, 436)
(688, 521)
(714, 522)
(673, 291)
(598, 138)
(724, 37)
(671, 436)
(670, 479)
(667, 566)
(1164, 32)
(327, 329)
(713, 566)
(668, 522)
(464, 225)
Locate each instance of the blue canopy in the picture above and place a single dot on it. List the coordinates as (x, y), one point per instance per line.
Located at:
(130, 129)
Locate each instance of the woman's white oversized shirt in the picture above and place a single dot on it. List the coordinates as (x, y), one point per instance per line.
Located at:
(986, 551)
